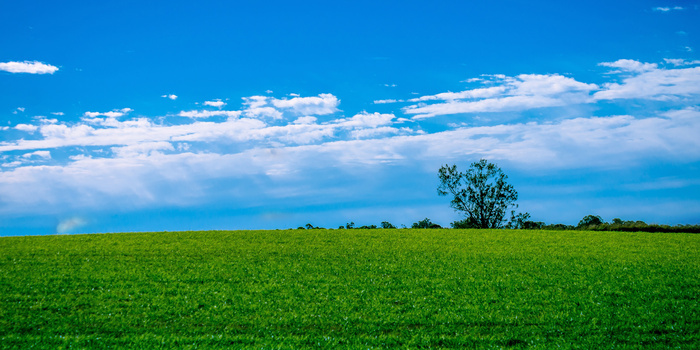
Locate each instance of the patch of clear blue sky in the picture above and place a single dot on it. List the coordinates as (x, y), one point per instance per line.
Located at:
(114, 54)
(126, 54)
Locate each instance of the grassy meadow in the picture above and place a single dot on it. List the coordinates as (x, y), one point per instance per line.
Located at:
(359, 289)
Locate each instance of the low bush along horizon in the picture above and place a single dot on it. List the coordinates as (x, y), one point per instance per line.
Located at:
(351, 289)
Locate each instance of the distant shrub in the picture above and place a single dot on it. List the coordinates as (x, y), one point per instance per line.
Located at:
(590, 221)
(559, 227)
(532, 225)
(521, 221)
(386, 224)
(425, 223)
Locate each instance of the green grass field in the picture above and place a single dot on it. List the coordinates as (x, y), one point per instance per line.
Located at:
(351, 289)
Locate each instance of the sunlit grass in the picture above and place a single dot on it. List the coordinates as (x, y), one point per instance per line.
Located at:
(351, 289)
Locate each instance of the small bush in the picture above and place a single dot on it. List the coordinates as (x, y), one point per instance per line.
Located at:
(425, 223)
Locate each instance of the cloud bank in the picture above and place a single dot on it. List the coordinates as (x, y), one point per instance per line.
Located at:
(271, 148)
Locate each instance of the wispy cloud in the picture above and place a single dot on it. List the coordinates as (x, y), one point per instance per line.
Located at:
(209, 114)
(650, 82)
(627, 65)
(668, 9)
(30, 67)
(39, 154)
(110, 114)
(379, 102)
(639, 80)
(679, 62)
(316, 105)
(170, 96)
(525, 91)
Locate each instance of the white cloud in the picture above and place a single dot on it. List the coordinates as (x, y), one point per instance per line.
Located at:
(468, 94)
(374, 132)
(170, 96)
(208, 114)
(263, 112)
(57, 113)
(31, 67)
(26, 127)
(510, 103)
(142, 149)
(378, 102)
(657, 84)
(40, 154)
(129, 137)
(11, 164)
(366, 120)
(48, 121)
(255, 101)
(216, 103)
(112, 114)
(530, 91)
(305, 120)
(630, 66)
(525, 91)
(681, 62)
(668, 9)
(317, 105)
(552, 84)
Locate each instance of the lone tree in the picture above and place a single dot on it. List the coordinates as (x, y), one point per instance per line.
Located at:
(481, 193)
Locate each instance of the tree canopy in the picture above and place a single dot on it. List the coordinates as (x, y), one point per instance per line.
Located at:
(481, 193)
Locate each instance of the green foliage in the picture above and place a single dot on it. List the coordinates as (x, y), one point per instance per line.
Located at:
(351, 289)
(386, 224)
(425, 223)
(520, 221)
(590, 221)
(641, 226)
(464, 224)
(558, 227)
(481, 193)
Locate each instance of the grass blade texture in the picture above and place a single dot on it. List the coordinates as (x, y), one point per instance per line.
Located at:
(351, 289)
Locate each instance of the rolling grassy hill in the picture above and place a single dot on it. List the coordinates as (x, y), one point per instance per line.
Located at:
(291, 289)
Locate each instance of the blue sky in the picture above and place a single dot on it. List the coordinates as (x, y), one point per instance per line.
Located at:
(125, 116)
